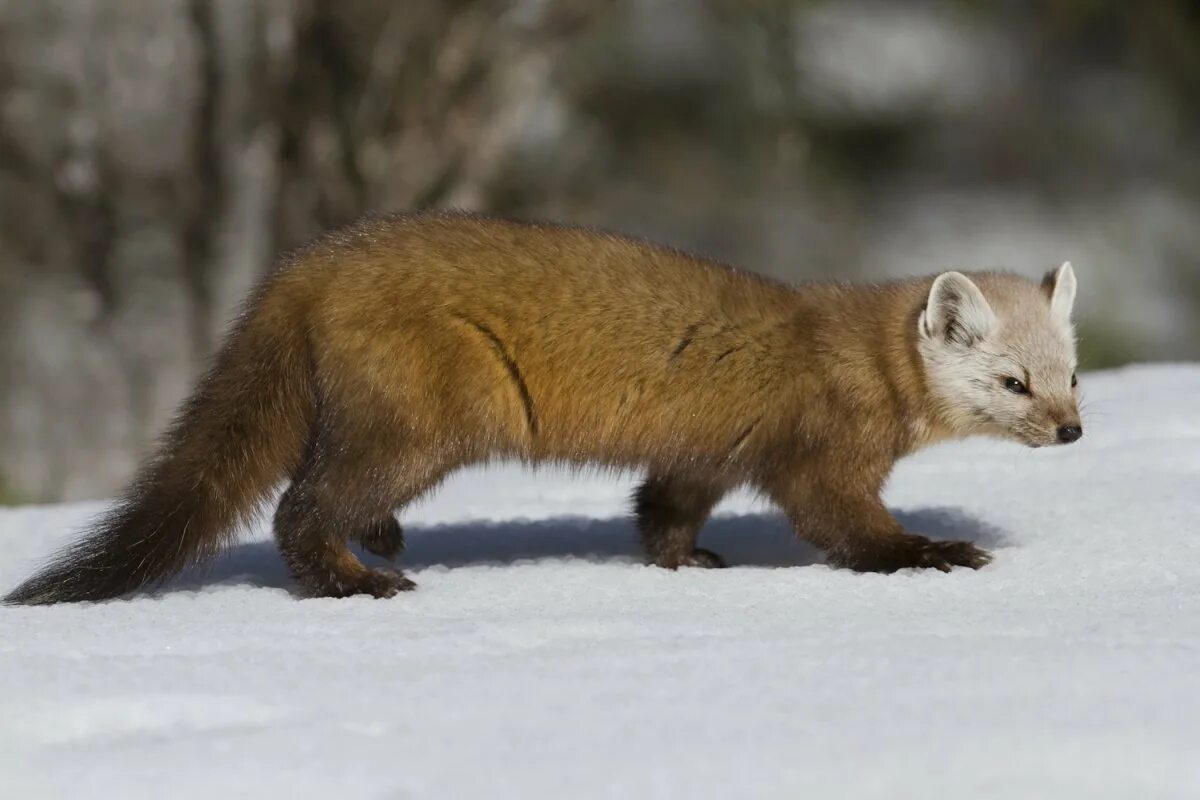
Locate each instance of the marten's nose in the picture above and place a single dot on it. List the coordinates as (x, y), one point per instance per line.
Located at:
(1069, 433)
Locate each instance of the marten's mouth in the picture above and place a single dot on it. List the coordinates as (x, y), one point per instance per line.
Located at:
(1035, 441)
(1048, 442)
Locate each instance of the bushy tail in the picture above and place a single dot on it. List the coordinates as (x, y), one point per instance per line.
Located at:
(242, 429)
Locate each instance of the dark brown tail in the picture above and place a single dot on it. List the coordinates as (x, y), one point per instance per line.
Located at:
(243, 428)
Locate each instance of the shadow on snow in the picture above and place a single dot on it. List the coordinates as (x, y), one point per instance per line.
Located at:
(758, 540)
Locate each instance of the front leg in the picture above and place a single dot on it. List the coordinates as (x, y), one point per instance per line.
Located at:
(904, 550)
(847, 520)
(670, 512)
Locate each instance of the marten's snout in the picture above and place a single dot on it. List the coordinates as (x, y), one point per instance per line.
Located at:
(1069, 433)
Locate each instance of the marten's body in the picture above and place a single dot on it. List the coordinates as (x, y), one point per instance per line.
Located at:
(386, 355)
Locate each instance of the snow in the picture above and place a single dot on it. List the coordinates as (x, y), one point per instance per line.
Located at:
(539, 658)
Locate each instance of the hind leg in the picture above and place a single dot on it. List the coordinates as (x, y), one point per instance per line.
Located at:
(670, 512)
(384, 538)
(312, 530)
(347, 487)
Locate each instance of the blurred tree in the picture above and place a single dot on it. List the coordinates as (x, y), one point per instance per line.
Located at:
(157, 153)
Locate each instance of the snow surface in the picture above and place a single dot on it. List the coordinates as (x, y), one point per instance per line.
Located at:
(539, 658)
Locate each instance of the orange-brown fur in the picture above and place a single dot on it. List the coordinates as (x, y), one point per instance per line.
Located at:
(388, 354)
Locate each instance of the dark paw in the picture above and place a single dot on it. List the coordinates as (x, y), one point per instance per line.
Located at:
(356, 580)
(914, 552)
(699, 557)
(704, 558)
(945, 556)
(383, 583)
(384, 539)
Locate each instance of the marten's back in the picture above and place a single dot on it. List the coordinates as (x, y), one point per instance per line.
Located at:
(550, 334)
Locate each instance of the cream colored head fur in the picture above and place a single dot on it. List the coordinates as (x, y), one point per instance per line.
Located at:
(999, 354)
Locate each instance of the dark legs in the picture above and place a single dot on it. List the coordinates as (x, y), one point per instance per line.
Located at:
(670, 512)
(348, 486)
(845, 519)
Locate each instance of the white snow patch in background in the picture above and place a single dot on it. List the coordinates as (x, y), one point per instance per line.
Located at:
(539, 658)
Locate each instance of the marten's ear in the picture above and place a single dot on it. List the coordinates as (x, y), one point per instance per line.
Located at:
(1059, 285)
(956, 311)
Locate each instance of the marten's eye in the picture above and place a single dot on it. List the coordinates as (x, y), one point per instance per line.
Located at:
(1015, 386)
(1074, 380)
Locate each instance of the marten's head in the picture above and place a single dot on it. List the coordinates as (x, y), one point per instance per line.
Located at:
(999, 355)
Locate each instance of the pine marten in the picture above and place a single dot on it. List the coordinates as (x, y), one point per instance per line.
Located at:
(384, 356)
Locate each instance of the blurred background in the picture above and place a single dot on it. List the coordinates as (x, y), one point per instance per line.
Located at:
(156, 155)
